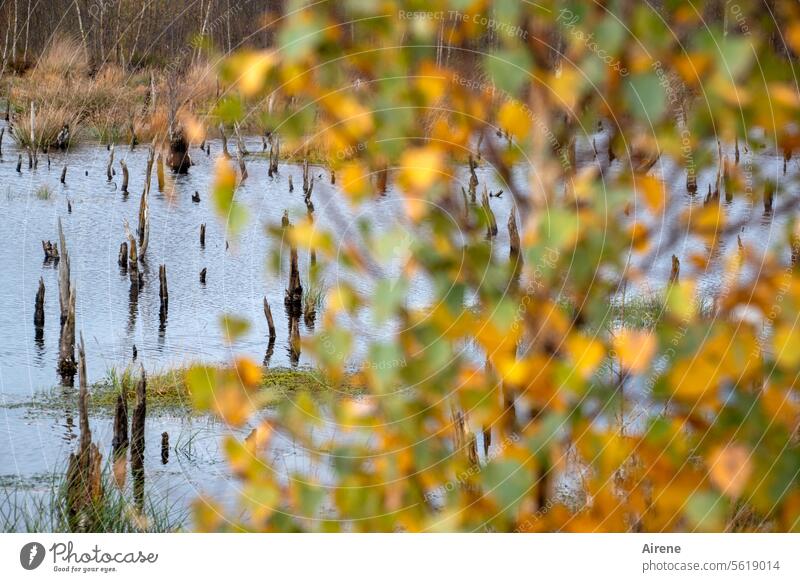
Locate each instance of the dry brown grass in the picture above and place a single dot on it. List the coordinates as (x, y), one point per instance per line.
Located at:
(64, 57)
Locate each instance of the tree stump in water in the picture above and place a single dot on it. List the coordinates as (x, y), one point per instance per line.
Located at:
(122, 258)
(50, 251)
(120, 441)
(203, 235)
(164, 448)
(160, 172)
(84, 484)
(491, 221)
(163, 292)
(513, 234)
(124, 167)
(109, 170)
(178, 158)
(270, 322)
(676, 270)
(294, 292)
(38, 312)
(66, 296)
(137, 441)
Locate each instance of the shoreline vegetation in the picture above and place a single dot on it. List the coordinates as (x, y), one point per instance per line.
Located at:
(168, 389)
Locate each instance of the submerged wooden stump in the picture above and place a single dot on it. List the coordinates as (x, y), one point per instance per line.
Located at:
(50, 250)
(294, 292)
(513, 234)
(66, 296)
(38, 312)
(491, 221)
(178, 158)
(163, 293)
(164, 448)
(122, 258)
(125, 176)
(120, 442)
(110, 166)
(675, 271)
(137, 441)
(270, 322)
(84, 484)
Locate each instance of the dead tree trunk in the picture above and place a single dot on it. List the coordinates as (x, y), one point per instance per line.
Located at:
(122, 259)
(224, 138)
(513, 235)
(473, 179)
(66, 298)
(491, 221)
(84, 484)
(270, 322)
(124, 176)
(294, 293)
(163, 292)
(160, 172)
(120, 441)
(143, 231)
(164, 448)
(38, 312)
(109, 169)
(137, 441)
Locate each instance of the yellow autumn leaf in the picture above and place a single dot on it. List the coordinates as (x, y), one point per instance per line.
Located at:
(730, 468)
(785, 341)
(586, 353)
(635, 349)
(354, 180)
(514, 118)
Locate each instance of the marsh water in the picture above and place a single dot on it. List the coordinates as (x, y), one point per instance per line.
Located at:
(35, 441)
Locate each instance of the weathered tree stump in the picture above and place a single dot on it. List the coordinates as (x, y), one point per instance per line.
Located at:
(306, 183)
(178, 158)
(291, 185)
(50, 250)
(137, 441)
(203, 273)
(19, 164)
(64, 174)
(38, 312)
(124, 167)
(224, 138)
(143, 230)
(122, 258)
(473, 179)
(164, 448)
(163, 292)
(160, 172)
(120, 442)
(270, 322)
(242, 166)
(66, 297)
(294, 292)
(203, 235)
(109, 167)
(491, 221)
(383, 180)
(84, 484)
(769, 197)
(513, 234)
